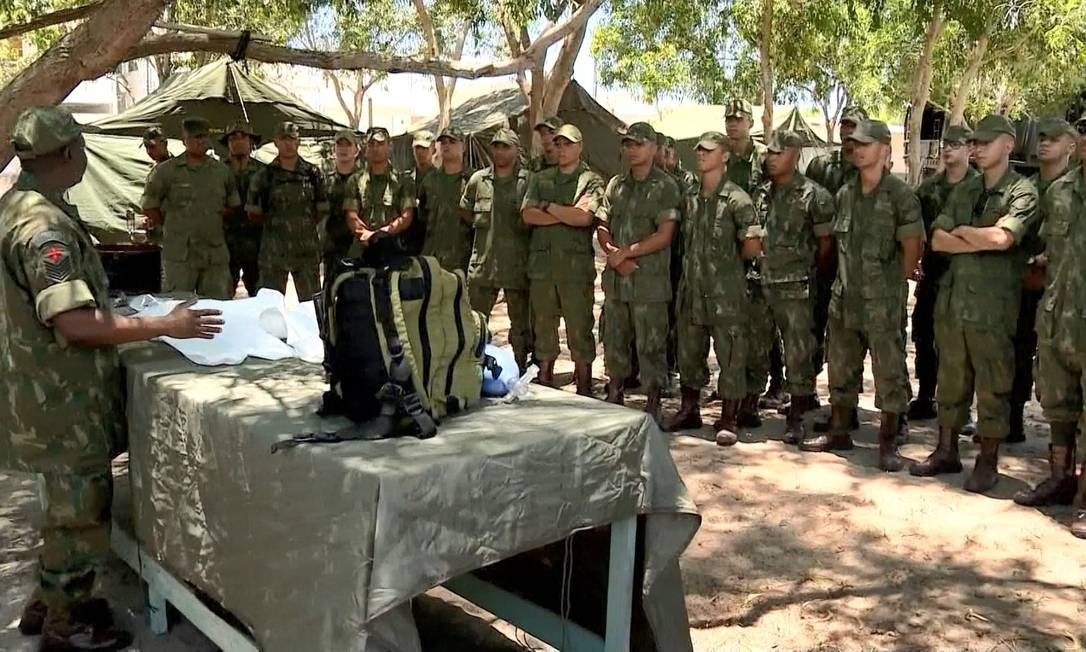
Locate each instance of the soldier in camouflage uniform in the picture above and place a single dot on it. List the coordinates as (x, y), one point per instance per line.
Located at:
(673, 166)
(379, 204)
(155, 145)
(637, 222)
(289, 199)
(746, 169)
(336, 236)
(933, 193)
(880, 238)
(548, 158)
(448, 229)
(1056, 142)
(686, 181)
(424, 149)
(980, 229)
(798, 218)
(1061, 367)
(243, 236)
(63, 404)
(560, 205)
(720, 229)
(190, 195)
(499, 256)
(831, 171)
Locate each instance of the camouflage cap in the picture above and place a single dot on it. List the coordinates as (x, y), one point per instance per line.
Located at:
(871, 131)
(641, 132)
(422, 139)
(288, 129)
(506, 136)
(240, 127)
(154, 134)
(551, 122)
(570, 133)
(378, 134)
(993, 126)
(854, 114)
(42, 130)
(349, 135)
(1053, 127)
(195, 126)
(782, 139)
(957, 134)
(711, 140)
(737, 107)
(451, 133)
(670, 142)
(661, 140)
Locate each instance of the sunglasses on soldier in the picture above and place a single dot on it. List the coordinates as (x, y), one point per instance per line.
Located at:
(1081, 128)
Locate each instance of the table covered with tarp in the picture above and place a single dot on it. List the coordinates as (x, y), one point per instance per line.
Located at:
(322, 547)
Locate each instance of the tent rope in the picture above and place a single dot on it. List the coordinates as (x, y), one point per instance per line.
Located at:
(243, 45)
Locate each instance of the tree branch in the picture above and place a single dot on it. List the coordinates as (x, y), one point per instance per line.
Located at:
(48, 20)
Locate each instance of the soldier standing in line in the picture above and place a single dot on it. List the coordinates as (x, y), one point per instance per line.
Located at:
(548, 158)
(337, 237)
(933, 193)
(190, 195)
(980, 229)
(499, 257)
(880, 238)
(288, 198)
(155, 145)
(242, 236)
(424, 150)
(720, 229)
(831, 171)
(1056, 144)
(686, 181)
(798, 219)
(448, 231)
(1061, 367)
(560, 205)
(63, 401)
(636, 224)
(379, 204)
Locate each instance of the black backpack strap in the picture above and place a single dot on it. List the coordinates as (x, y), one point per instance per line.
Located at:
(400, 390)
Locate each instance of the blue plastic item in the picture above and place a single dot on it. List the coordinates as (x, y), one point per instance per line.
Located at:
(500, 375)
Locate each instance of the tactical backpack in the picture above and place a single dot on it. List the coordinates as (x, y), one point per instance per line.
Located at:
(403, 348)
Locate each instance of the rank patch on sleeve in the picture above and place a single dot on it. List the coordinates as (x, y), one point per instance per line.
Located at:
(56, 261)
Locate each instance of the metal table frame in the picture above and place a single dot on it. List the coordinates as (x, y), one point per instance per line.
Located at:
(163, 588)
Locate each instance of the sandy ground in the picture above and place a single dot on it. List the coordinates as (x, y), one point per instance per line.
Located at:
(796, 552)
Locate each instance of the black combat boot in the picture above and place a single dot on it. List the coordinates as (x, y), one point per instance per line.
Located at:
(582, 375)
(726, 427)
(63, 631)
(545, 376)
(1017, 435)
(1059, 487)
(838, 437)
(889, 429)
(615, 392)
(748, 412)
(689, 414)
(794, 430)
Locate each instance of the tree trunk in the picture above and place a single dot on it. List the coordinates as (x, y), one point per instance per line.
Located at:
(562, 71)
(969, 75)
(765, 51)
(922, 89)
(91, 50)
(48, 20)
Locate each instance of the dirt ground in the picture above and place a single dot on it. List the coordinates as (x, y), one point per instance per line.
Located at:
(796, 552)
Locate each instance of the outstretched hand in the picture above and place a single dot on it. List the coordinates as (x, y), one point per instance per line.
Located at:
(185, 323)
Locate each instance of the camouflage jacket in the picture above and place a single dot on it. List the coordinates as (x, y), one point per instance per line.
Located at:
(985, 288)
(192, 199)
(292, 203)
(499, 255)
(795, 215)
(560, 252)
(335, 236)
(933, 193)
(830, 171)
(1061, 318)
(747, 171)
(448, 238)
(378, 199)
(238, 225)
(633, 209)
(870, 288)
(713, 287)
(59, 400)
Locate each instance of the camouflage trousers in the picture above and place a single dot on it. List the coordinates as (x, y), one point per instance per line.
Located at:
(846, 349)
(75, 535)
(571, 301)
(761, 334)
(483, 298)
(790, 307)
(641, 325)
(1061, 376)
(304, 269)
(730, 345)
(974, 359)
(207, 280)
(244, 262)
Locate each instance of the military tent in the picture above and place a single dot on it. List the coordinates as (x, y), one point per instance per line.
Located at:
(481, 116)
(687, 122)
(222, 92)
